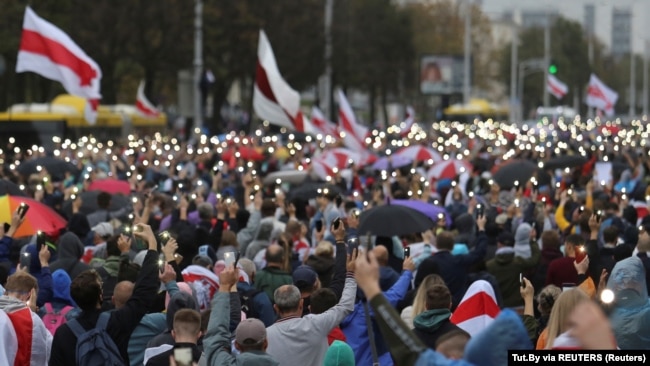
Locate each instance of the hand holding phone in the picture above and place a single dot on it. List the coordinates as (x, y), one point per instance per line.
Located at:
(336, 223)
(22, 210)
(480, 210)
(319, 225)
(407, 252)
(231, 258)
(25, 261)
(522, 283)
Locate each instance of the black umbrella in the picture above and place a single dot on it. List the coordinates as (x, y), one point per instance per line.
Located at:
(10, 188)
(55, 166)
(565, 161)
(89, 204)
(309, 190)
(513, 171)
(391, 220)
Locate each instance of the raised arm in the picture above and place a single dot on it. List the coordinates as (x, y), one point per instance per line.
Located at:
(216, 343)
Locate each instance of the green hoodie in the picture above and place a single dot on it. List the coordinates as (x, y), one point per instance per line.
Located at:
(430, 320)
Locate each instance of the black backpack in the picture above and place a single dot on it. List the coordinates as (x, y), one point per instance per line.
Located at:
(247, 304)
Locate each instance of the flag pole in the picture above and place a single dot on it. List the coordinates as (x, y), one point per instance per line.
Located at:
(327, 98)
(514, 57)
(547, 57)
(468, 52)
(198, 62)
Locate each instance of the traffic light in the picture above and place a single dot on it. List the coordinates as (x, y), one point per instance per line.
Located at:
(552, 68)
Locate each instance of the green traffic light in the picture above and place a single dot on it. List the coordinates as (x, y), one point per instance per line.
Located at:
(552, 69)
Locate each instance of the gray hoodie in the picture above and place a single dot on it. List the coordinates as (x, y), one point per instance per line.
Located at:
(70, 251)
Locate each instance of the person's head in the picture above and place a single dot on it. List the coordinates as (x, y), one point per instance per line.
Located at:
(205, 211)
(438, 297)
(249, 268)
(325, 249)
(306, 279)
(420, 300)
(229, 238)
(353, 217)
(558, 322)
(112, 249)
(572, 243)
(122, 293)
(22, 286)
(103, 231)
(187, 326)
(203, 261)
(610, 235)
(287, 301)
(86, 290)
(268, 208)
(550, 240)
(103, 200)
(452, 344)
(381, 253)
(445, 241)
(250, 335)
(293, 228)
(322, 300)
(546, 299)
(274, 255)
(505, 239)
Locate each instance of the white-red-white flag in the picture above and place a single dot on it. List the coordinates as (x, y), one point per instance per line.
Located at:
(409, 119)
(477, 309)
(143, 106)
(600, 96)
(355, 134)
(273, 99)
(556, 87)
(319, 125)
(48, 51)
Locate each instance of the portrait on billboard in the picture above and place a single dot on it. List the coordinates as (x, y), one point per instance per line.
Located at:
(440, 74)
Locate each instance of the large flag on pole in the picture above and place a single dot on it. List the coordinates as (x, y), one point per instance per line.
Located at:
(600, 96)
(273, 99)
(143, 106)
(51, 53)
(319, 125)
(556, 87)
(355, 134)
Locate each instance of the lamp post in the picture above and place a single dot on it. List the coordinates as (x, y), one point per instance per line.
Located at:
(198, 62)
(467, 52)
(514, 56)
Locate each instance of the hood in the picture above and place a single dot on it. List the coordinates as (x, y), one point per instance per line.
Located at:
(265, 229)
(11, 304)
(256, 358)
(490, 347)
(430, 320)
(180, 300)
(339, 354)
(465, 223)
(61, 286)
(628, 283)
(70, 247)
(504, 258)
(78, 225)
(522, 235)
(320, 264)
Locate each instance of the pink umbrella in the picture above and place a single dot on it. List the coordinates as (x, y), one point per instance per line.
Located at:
(111, 186)
(448, 169)
(419, 153)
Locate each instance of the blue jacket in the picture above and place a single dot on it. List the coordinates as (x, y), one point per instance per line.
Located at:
(261, 304)
(6, 242)
(356, 332)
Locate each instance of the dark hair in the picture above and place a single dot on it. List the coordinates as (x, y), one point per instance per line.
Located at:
(293, 227)
(86, 290)
(575, 240)
(187, 321)
(128, 271)
(550, 239)
(103, 200)
(275, 256)
(111, 246)
(610, 234)
(322, 300)
(438, 297)
(268, 208)
(205, 319)
(445, 241)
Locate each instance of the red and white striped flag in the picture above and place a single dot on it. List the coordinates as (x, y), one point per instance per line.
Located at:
(320, 125)
(355, 134)
(51, 53)
(405, 127)
(143, 106)
(601, 96)
(273, 99)
(204, 282)
(556, 87)
(28, 343)
(477, 309)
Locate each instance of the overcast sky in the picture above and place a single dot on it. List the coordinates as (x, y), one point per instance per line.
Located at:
(574, 9)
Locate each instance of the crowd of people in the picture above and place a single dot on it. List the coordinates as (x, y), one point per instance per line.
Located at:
(190, 254)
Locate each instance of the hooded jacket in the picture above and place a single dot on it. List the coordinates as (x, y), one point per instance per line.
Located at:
(31, 341)
(631, 314)
(70, 251)
(61, 297)
(522, 240)
(432, 324)
(324, 266)
(506, 267)
(465, 224)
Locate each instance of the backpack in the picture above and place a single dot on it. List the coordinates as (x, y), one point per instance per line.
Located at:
(54, 319)
(95, 346)
(247, 304)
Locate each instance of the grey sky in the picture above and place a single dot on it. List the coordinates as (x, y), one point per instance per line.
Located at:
(574, 9)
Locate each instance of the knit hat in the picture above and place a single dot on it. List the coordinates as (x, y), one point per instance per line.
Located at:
(61, 286)
(339, 354)
(250, 332)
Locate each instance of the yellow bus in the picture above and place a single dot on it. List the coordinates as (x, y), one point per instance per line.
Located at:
(38, 123)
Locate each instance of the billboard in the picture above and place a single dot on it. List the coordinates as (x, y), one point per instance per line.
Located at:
(441, 74)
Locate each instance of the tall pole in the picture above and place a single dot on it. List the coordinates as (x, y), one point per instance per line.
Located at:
(520, 91)
(547, 57)
(198, 61)
(645, 78)
(514, 57)
(632, 84)
(468, 51)
(327, 89)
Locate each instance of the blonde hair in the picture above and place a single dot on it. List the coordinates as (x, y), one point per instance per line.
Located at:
(546, 299)
(325, 249)
(562, 309)
(420, 301)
